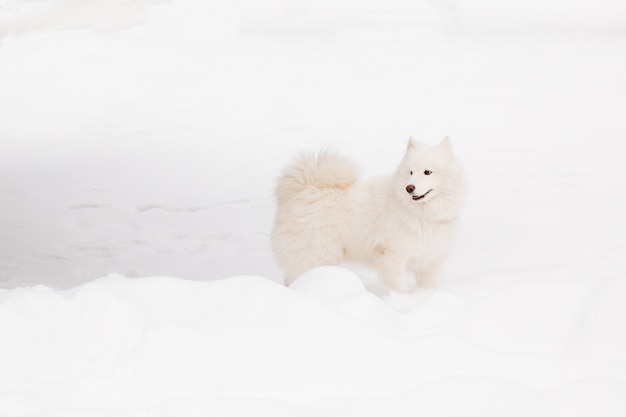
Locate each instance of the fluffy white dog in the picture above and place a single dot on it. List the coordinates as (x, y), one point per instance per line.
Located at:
(397, 224)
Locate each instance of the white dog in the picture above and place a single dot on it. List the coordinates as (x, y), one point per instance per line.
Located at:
(405, 222)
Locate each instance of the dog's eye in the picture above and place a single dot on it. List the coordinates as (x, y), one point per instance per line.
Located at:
(428, 172)
(411, 172)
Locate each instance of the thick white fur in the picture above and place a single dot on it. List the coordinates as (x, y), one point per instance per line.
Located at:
(326, 215)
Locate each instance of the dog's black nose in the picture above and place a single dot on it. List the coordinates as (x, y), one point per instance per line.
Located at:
(410, 188)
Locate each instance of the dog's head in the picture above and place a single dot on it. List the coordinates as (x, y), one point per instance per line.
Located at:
(430, 176)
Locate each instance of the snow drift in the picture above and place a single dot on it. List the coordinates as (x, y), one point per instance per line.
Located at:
(246, 345)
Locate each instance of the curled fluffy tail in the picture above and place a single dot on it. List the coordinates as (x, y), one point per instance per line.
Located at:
(322, 170)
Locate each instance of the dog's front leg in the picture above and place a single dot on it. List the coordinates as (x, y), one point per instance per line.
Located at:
(391, 268)
(427, 275)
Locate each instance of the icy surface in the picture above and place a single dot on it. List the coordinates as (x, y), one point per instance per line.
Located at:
(141, 139)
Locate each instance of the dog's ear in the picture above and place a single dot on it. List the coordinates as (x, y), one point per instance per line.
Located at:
(412, 143)
(446, 143)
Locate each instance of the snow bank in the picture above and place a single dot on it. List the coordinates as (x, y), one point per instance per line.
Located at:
(24, 16)
(169, 347)
(550, 15)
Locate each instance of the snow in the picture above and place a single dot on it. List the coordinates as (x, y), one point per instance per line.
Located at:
(139, 145)
(234, 346)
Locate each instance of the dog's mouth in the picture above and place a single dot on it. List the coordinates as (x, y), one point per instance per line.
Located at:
(419, 197)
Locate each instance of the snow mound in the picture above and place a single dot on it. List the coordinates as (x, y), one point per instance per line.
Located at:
(249, 346)
(23, 16)
(329, 282)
